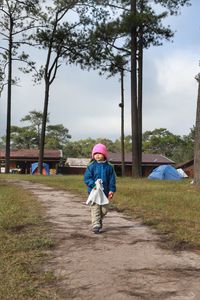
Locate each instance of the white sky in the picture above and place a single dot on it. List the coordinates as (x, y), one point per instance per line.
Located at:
(87, 104)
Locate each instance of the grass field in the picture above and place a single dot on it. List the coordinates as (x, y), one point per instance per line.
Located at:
(24, 241)
(172, 208)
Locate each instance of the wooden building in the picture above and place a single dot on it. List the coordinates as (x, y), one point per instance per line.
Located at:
(21, 159)
(149, 162)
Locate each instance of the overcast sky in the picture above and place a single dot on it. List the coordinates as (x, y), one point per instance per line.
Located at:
(88, 105)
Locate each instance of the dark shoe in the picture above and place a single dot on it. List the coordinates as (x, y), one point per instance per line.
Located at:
(96, 229)
(101, 224)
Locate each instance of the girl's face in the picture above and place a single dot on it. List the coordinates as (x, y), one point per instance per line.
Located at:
(99, 157)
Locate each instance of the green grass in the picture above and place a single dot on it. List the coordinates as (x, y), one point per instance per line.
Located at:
(170, 207)
(24, 243)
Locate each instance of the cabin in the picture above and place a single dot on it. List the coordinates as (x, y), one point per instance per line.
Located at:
(149, 162)
(22, 159)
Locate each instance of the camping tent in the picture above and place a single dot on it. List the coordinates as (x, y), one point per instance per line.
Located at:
(165, 172)
(45, 169)
(182, 173)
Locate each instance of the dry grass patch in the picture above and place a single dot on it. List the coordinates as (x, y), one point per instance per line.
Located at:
(23, 246)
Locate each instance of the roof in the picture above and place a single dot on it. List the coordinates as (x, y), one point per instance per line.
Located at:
(32, 153)
(146, 158)
(116, 158)
(77, 162)
(186, 164)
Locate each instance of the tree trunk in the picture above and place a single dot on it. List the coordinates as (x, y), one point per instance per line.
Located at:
(122, 123)
(134, 107)
(43, 129)
(197, 139)
(7, 154)
(140, 88)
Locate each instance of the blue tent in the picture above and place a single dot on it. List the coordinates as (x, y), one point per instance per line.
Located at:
(45, 169)
(165, 172)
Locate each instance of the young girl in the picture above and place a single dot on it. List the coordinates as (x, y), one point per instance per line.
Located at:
(100, 168)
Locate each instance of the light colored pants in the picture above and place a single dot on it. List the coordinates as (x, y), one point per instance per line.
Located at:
(98, 212)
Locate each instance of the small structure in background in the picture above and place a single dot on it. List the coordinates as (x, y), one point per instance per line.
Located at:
(165, 172)
(35, 170)
(149, 162)
(77, 162)
(74, 166)
(21, 160)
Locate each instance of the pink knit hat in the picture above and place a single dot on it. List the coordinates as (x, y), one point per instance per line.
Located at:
(100, 148)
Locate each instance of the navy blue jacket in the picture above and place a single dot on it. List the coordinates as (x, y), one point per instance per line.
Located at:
(100, 170)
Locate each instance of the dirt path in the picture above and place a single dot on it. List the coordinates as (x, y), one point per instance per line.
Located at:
(123, 262)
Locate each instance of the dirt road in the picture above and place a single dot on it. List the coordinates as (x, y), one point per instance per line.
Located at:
(124, 262)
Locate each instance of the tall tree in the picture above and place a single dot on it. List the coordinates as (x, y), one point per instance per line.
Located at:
(197, 138)
(116, 64)
(62, 38)
(17, 17)
(137, 25)
(121, 105)
(136, 165)
(140, 84)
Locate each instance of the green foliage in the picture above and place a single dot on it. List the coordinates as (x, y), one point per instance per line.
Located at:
(173, 5)
(28, 137)
(160, 141)
(35, 119)
(97, 37)
(83, 148)
(63, 38)
(57, 137)
(23, 137)
(111, 35)
(129, 27)
(127, 144)
(163, 142)
(17, 19)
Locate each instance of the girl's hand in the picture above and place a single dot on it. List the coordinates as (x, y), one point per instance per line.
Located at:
(110, 195)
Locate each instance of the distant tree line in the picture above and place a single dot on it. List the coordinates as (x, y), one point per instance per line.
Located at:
(28, 137)
(160, 141)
